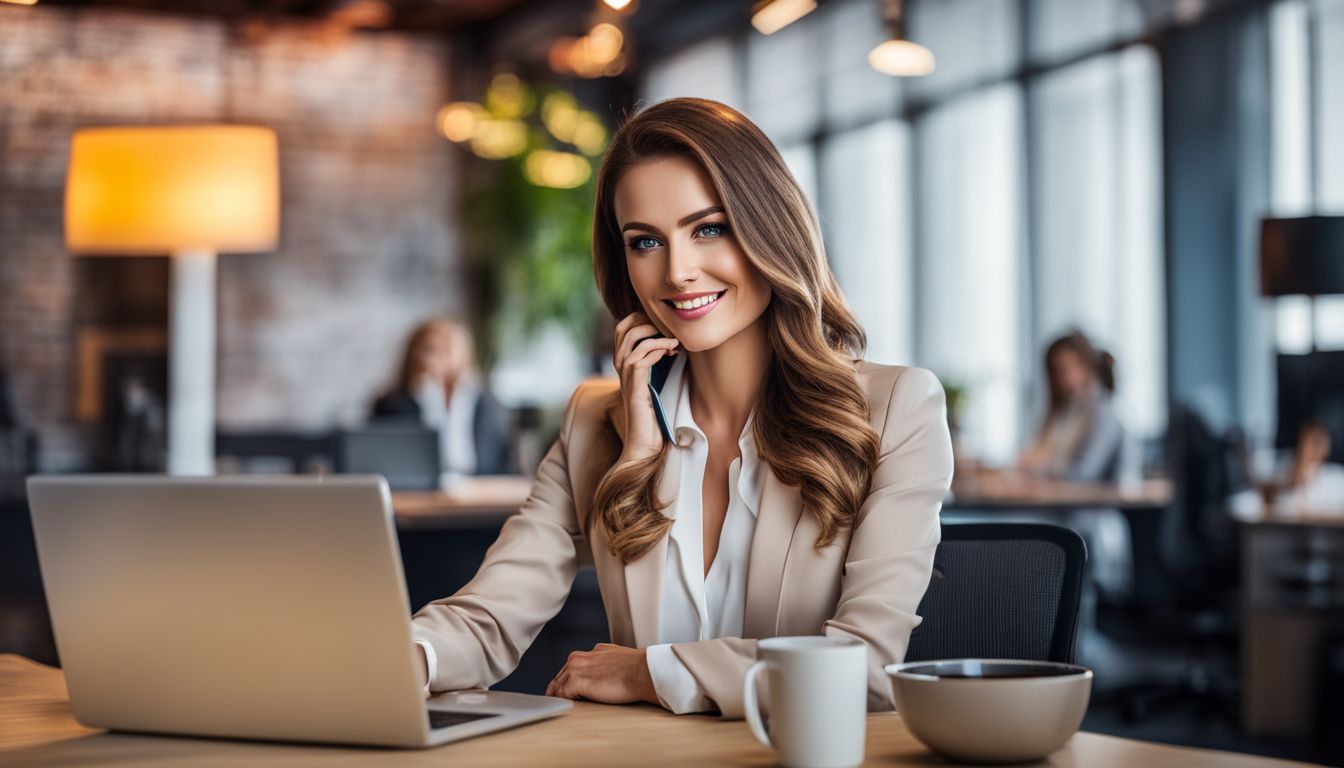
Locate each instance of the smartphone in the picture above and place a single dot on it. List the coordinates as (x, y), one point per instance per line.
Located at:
(657, 377)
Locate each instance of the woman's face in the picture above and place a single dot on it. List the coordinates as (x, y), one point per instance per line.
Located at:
(689, 272)
(439, 354)
(1069, 372)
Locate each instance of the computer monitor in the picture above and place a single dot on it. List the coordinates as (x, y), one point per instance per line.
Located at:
(407, 455)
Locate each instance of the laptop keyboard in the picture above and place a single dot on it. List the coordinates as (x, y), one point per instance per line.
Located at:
(440, 719)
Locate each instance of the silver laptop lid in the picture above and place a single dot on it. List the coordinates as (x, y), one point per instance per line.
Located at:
(269, 608)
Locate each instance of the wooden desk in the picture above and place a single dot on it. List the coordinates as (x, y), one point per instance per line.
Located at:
(1292, 602)
(476, 502)
(36, 729)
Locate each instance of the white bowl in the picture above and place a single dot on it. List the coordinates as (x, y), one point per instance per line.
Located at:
(991, 710)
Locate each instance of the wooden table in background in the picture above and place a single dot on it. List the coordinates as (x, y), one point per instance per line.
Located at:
(1011, 490)
(476, 501)
(37, 729)
(1292, 603)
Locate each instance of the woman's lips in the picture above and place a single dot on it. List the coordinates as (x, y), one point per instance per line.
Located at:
(698, 312)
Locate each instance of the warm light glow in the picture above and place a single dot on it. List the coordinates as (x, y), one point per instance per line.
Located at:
(457, 121)
(560, 113)
(155, 191)
(507, 97)
(596, 54)
(368, 14)
(561, 52)
(498, 139)
(590, 136)
(901, 58)
(561, 170)
(20, 2)
(604, 42)
(773, 15)
(617, 5)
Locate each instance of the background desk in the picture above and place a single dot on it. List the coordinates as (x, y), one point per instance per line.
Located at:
(1292, 588)
(992, 490)
(37, 729)
(478, 502)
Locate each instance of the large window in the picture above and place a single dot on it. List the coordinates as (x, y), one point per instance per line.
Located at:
(866, 221)
(1307, 165)
(1097, 221)
(970, 260)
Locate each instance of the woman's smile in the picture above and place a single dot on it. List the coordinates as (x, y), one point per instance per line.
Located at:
(693, 306)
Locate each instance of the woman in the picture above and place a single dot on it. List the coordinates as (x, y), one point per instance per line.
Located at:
(1080, 440)
(1080, 437)
(438, 388)
(802, 491)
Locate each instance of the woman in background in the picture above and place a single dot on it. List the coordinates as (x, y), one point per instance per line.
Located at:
(1080, 438)
(440, 388)
(1080, 441)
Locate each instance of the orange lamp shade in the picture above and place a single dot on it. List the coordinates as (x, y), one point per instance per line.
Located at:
(162, 190)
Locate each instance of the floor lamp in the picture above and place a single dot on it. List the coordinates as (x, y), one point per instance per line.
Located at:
(189, 192)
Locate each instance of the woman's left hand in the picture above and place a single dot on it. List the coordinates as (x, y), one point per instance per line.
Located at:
(610, 674)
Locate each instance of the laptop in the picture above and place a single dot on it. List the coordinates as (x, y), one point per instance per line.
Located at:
(406, 454)
(255, 608)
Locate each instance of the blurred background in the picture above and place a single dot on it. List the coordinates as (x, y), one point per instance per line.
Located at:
(1113, 228)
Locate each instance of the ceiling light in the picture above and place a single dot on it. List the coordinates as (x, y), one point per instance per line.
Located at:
(20, 2)
(898, 56)
(901, 58)
(617, 5)
(770, 16)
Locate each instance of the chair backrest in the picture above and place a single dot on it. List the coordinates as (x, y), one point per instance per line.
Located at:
(1198, 544)
(1002, 591)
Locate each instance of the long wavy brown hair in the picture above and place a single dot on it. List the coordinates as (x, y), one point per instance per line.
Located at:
(811, 422)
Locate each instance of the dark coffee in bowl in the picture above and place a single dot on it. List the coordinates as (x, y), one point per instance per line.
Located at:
(984, 670)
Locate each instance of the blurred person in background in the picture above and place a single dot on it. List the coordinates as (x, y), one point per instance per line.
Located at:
(1080, 438)
(439, 387)
(1080, 441)
(1317, 484)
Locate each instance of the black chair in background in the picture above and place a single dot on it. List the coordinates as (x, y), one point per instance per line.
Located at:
(1199, 570)
(1002, 591)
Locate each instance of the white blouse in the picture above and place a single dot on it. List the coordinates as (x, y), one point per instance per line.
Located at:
(696, 605)
(454, 419)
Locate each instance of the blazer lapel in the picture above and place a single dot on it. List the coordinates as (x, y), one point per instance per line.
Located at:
(776, 522)
(644, 575)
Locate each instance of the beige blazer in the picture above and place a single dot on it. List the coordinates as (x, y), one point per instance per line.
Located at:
(867, 584)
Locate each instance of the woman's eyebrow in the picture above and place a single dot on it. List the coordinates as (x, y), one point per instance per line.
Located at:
(683, 221)
(700, 214)
(629, 225)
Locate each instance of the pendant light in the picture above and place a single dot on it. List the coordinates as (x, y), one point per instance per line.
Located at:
(898, 56)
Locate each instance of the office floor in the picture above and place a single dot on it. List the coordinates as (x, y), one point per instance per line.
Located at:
(1126, 655)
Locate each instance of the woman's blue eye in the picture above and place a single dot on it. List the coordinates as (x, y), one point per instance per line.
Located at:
(644, 243)
(711, 230)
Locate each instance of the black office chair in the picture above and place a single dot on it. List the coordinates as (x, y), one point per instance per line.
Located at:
(1002, 591)
(1198, 562)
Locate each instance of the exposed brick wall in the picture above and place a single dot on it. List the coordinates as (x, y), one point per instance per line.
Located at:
(368, 245)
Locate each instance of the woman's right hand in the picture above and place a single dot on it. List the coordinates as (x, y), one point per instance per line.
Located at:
(638, 347)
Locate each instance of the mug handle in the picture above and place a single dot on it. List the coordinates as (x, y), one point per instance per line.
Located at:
(752, 706)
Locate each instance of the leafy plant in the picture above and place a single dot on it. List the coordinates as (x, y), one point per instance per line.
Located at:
(528, 244)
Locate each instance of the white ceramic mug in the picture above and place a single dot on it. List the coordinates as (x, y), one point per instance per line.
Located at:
(818, 695)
